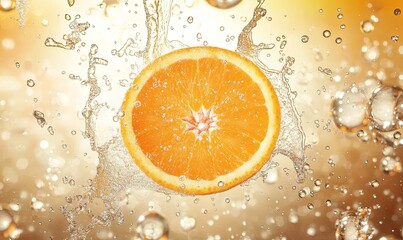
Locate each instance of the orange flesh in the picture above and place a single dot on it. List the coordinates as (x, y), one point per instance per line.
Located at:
(172, 93)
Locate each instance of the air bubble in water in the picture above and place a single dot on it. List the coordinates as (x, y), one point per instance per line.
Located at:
(397, 12)
(367, 26)
(338, 40)
(187, 223)
(190, 19)
(349, 108)
(385, 109)
(223, 4)
(152, 226)
(355, 225)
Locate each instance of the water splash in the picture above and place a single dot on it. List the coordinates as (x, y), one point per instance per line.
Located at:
(71, 39)
(291, 141)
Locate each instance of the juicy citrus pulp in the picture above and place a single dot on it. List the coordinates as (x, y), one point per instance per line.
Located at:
(200, 120)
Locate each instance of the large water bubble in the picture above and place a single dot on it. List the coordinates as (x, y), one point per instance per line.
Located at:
(349, 108)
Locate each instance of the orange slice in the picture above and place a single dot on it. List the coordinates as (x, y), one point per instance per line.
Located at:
(200, 120)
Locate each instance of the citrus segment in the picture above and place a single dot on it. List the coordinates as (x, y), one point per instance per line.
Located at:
(201, 120)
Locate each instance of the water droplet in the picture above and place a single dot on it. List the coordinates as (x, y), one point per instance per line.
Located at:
(40, 118)
(394, 38)
(50, 130)
(327, 33)
(328, 203)
(397, 12)
(187, 223)
(152, 226)
(367, 26)
(304, 38)
(374, 183)
(67, 17)
(349, 108)
(7, 5)
(30, 83)
(223, 4)
(304, 192)
(310, 206)
(338, 40)
(363, 135)
(17, 65)
(220, 184)
(190, 19)
(355, 225)
(340, 15)
(71, 2)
